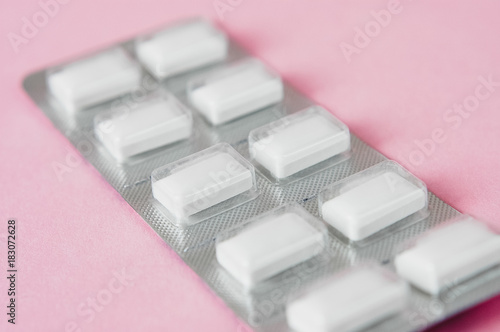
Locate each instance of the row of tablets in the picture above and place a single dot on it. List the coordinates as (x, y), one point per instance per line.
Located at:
(442, 258)
(192, 189)
(363, 295)
(109, 74)
(221, 95)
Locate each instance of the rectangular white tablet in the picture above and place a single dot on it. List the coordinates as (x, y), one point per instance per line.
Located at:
(202, 180)
(379, 198)
(150, 125)
(298, 141)
(234, 91)
(353, 300)
(95, 79)
(181, 48)
(449, 255)
(270, 244)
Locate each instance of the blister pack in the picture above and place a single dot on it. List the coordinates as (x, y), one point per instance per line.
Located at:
(291, 219)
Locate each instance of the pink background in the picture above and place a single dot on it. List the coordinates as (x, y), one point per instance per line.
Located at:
(75, 233)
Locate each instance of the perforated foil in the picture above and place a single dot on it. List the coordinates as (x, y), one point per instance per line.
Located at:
(262, 309)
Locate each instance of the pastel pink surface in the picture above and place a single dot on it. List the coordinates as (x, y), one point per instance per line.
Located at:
(77, 233)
